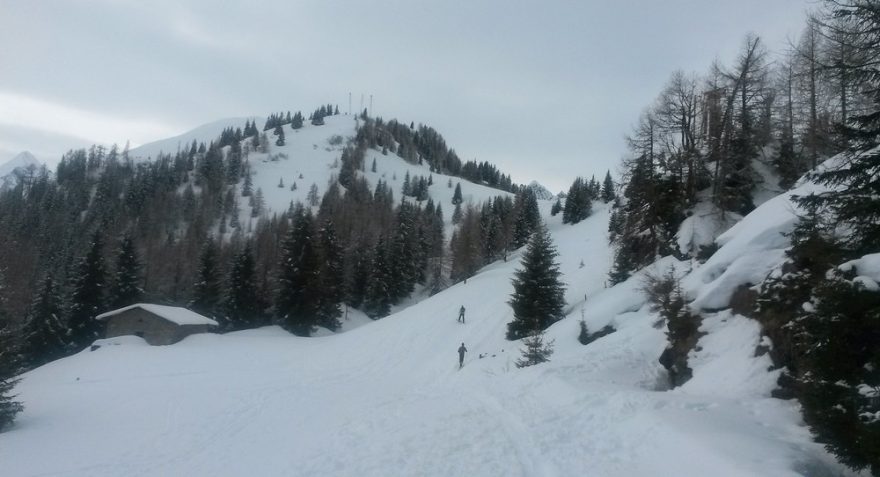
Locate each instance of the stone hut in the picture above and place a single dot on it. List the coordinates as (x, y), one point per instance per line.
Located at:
(156, 324)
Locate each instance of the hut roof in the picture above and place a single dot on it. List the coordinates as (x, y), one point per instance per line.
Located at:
(174, 314)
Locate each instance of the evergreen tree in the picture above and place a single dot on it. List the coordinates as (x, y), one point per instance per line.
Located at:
(279, 132)
(535, 350)
(456, 196)
(207, 291)
(312, 197)
(668, 300)
(528, 218)
(578, 204)
(557, 207)
(44, 333)
(258, 203)
(243, 307)
(457, 214)
(299, 297)
(88, 295)
(407, 186)
(127, 280)
(10, 367)
(838, 338)
(378, 299)
(247, 188)
(331, 277)
(402, 259)
(538, 294)
(608, 193)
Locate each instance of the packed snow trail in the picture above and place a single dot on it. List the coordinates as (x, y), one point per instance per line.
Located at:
(388, 398)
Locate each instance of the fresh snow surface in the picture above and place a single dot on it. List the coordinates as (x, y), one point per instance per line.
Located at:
(749, 251)
(174, 314)
(387, 398)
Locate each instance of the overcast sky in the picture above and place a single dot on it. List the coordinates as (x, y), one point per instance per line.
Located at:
(545, 90)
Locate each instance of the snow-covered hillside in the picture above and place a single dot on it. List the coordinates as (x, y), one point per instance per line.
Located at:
(388, 398)
(311, 156)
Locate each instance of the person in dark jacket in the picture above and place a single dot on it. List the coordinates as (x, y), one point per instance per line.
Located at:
(461, 314)
(461, 351)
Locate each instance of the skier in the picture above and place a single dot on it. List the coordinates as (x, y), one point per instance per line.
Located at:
(461, 314)
(461, 351)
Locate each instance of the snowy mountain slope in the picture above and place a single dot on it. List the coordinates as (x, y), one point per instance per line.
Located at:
(202, 134)
(388, 398)
(311, 156)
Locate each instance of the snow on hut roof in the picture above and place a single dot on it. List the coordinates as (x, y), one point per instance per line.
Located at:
(174, 314)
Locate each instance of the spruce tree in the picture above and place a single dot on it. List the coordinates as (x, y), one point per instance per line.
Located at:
(528, 217)
(279, 132)
(299, 296)
(88, 296)
(331, 277)
(536, 350)
(578, 204)
(538, 293)
(207, 290)
(44, 333)
(837, 335)
(378, 299)
(608, 193)
(126, 288)
(557, 207)
(242, 307)
(247, 187)
(10, 367)
(456, 196)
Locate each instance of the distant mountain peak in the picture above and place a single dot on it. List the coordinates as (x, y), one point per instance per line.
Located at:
(22, 159)
(541, 192)
(12, 170)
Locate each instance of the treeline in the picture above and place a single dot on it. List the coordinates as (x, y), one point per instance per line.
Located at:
(700, 141)
(425, 145)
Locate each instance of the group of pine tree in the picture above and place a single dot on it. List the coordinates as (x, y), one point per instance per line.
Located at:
(105, 231)
(701, 141)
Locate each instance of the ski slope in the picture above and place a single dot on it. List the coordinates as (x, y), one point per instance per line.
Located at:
(388, 398)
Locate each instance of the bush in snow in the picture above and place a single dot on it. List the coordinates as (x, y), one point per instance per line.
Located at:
(667, 299)
(536, 350)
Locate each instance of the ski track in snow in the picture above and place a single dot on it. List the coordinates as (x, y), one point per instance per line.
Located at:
(388, 398)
